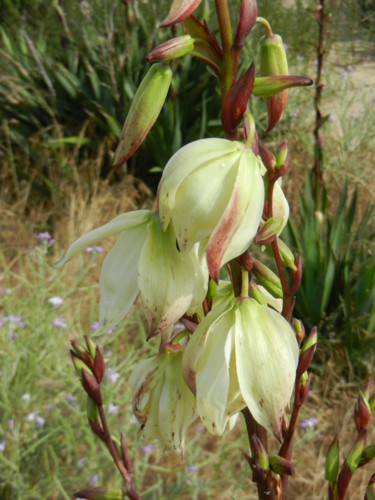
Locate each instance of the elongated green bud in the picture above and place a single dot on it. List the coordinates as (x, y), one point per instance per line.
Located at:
(267, 278)
(143, 112)
(172, 49)
(287, 257)
(332, 462)
(273, 62)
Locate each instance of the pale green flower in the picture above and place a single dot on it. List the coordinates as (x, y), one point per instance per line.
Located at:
(241, 355)
(212, 191)
(163, 404)
(145, 261)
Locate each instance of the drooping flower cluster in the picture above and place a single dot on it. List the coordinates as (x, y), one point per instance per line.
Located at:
(242, 353)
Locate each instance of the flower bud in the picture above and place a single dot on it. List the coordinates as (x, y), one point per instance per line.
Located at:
(247, 19)
(281, 155)
(273, 62)
(281, 465)
(268, 231)
(267, 278)
(172, 49)
(91, 387)
(269, 86)
(180, 10)
(206, 46)
(362, 412)
(212, 191)
(354, 456)
(287, 257)
(236, 101)
(299, 329)
(332, 462)
(260, 453)
(143, 112)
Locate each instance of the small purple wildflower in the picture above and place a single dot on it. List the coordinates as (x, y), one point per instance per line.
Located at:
(2, 446)
(309, 423)
(147, 449)
(71, 399)
(349, 68)
(94, 479)
(95, 249)
(14, 321)
(80, 462)
(55, 301)
(14, 336)
(5, 291)
(113, 409)
(59, 323)
(192, 468)
(43, 236)
(199, 428)
(112, 375)
(39, 422)
(94, 326)
(331, 118)
(109, 353)
(293, 114)
(286, 46)
(26, 397)
(11, 424)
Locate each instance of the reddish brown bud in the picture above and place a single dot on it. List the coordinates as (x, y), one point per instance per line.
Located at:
(96, 429)
(296, 277)
(299, 329)
(260, 453)
(99, 365)
(235, 102)
(180, 10)
(92, 387)
(268, 158)
(248, 16)
(362, 412)
(281, 465)
(305, 360)
(206, 46)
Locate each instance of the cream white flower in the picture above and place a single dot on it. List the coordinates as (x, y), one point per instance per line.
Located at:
(163, 404)
(241, 355)
(145, 261)
(212, 191)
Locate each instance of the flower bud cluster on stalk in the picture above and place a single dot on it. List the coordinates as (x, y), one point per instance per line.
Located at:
(199, 265)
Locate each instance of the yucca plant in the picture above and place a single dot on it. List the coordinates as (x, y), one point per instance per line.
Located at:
(338, 284)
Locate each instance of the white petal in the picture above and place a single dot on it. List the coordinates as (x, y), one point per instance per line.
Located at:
(119, 278)
(280, 205)
(240, 220)
(186, 161)
(198, 257)
(165, 279)
(266, 358)
(116, 225)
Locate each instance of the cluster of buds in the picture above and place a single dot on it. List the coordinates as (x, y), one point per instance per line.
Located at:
(359, 455)
(90, 366)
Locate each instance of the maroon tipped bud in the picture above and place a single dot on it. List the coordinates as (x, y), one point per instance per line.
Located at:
(248, 17)
(260, 453)
(343, 480)
(172, 49)
(282, 155)
(296, 277)
(236, 101)
(96, 429)
(125, 455)
(304, 389)
(268, 231)
(362, 412)
(92, 387)
(299, 329)
(99, 365)
(311, 339)
(281, 465)
(91, 346)
(180, 10)
(305, 360)
(267, 158)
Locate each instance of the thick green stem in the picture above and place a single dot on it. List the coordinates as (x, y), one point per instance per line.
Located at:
(227, 69)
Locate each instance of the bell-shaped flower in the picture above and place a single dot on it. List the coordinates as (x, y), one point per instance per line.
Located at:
(242, 355)
(163, 404)
(145, 261)
(212, 191)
